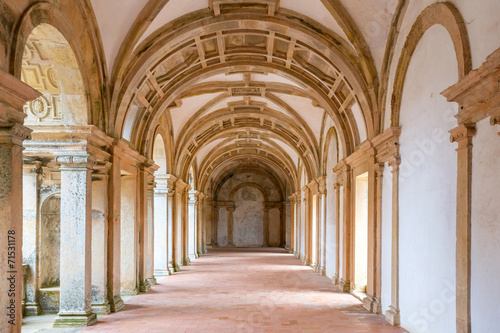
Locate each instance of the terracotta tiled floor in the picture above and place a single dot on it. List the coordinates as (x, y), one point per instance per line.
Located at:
(262, 290)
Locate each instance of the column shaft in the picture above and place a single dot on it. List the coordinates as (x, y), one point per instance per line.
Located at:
(76, 241)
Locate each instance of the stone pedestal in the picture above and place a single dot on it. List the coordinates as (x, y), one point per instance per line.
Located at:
(100, 303)
(31, 204)
(76, 228)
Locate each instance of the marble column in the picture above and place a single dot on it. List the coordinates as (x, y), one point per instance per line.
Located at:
(100, 303)
(129, 237)
(32, 178)
(192, 225)
(463, 134)
(13, 95)
(392, 315)
(161, 234)
(76, 241)
(114, 236)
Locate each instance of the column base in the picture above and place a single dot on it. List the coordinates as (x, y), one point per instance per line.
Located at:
(316, 268)
(306, 261)
(192, 257)
(116, 304)
(75, 319)
(204, 250)
(101, 309)
(335, 279)
(144, 286)
(322, 270)
(129, 292)
(186, 261)
(392, 316)
(32, 309)
(162, 272)
(176, 268)
(152, 281)
(344, 286)
(198, 254)
(372, 304)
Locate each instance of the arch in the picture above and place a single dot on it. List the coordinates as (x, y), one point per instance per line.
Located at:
(249, 184)
(91, 64)
(442, 13)
(160, 154)
(49, 66)
(330, 135)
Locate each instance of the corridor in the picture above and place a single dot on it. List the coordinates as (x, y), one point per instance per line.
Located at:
(244, 290)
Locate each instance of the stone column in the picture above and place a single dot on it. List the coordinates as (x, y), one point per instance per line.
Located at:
(376, 306)
(265, 226)
(76, 241)
(200, 225)
(144, 284)
(151, 231)
(114, 236)
(292, 223)
(307, 254)
(170, 229)
(215, 219)
(323, 193)
(392, 315)
(13, 95)
(161, 234)
(100, 303)
(282, 211)
(230, 231)
(463, 136)
(129, 236)
(336, 277)
(192, 225)
(298, 222)
(372, 300)
(184, 224)
(178, 232)
(32, 178)
(345, 281)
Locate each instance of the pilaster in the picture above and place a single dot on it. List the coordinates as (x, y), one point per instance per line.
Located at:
(392, 315)
(463, 134)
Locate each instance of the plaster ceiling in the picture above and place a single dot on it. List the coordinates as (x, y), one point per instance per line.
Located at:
(267, 71)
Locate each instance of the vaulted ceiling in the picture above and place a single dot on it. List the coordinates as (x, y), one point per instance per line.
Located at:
(245, 83)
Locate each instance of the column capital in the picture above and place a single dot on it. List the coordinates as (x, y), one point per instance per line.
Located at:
(462, 134)
(394, 162)
(34, 166)
(322, 185)
(75, 161)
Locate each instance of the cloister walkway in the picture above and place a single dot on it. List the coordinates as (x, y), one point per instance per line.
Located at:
(244, 290)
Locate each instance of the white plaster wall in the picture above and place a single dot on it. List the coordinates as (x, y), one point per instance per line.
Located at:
(427, 200)
(386, 237)
(485, 246)
(341, 231)
(482, 29)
